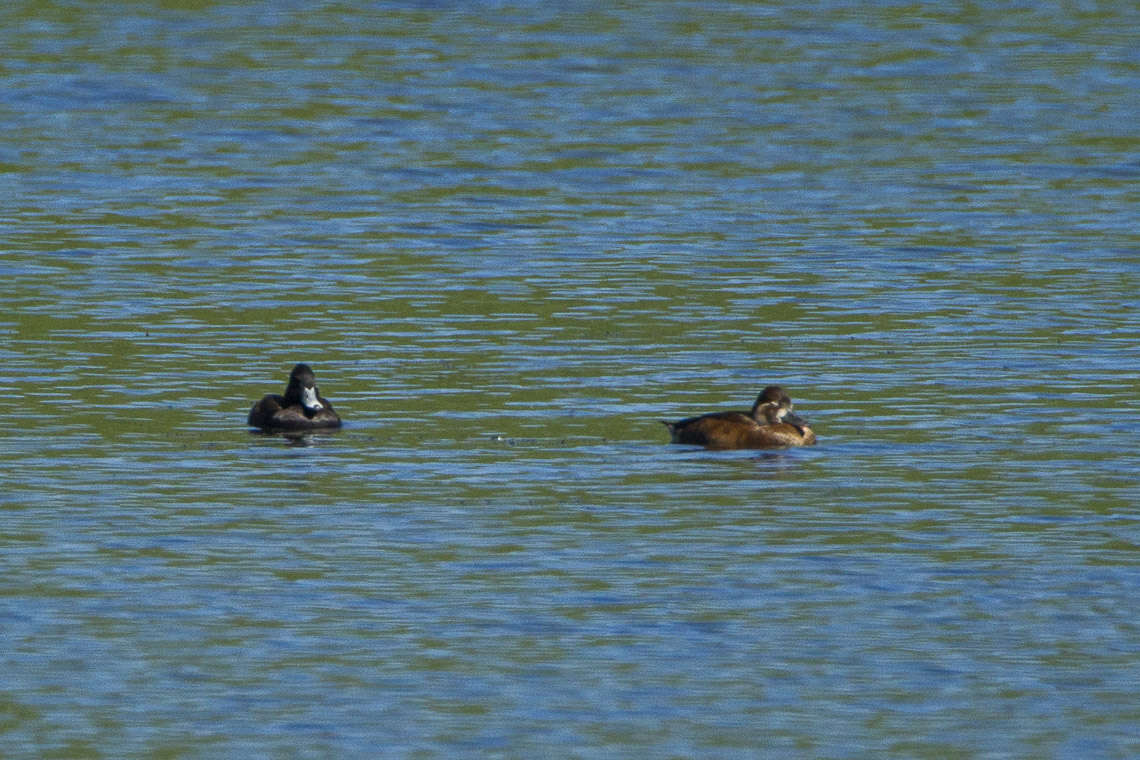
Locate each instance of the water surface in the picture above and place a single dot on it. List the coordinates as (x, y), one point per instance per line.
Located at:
(510, 239)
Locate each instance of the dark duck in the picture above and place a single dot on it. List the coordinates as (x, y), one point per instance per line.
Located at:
(301, 408)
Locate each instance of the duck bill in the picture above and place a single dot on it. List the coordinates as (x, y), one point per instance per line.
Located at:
(794, 419)
(309, 399)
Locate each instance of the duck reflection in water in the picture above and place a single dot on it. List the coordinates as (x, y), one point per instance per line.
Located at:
(769, 425)
(301, 408)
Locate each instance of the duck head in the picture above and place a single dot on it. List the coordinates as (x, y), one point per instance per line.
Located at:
(303, 389)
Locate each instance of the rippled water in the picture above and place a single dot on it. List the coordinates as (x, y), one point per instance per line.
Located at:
(510, 238)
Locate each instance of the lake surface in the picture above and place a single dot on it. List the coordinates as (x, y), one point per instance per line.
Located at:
(510, 238)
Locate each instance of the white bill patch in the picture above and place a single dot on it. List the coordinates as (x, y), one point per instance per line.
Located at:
(309, 398)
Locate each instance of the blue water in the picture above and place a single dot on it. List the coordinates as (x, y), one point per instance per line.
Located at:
(510, 239)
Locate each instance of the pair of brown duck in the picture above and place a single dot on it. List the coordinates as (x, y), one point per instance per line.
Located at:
(770, 424)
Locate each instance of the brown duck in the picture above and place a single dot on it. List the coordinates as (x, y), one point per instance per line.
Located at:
(301, 408)
(769, 425)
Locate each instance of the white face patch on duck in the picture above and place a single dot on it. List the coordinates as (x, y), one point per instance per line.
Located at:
(309, 399)
(770, 413)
